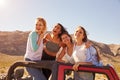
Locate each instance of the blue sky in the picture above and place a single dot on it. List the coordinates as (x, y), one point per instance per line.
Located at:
(101, 18)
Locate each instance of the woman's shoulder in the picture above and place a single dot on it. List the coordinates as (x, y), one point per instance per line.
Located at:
(48, 36)
(33, 33)
(92, 49)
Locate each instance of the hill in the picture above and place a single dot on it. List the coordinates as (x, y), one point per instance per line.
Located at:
(13, 45)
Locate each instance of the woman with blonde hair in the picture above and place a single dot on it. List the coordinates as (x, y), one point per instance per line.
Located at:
(34, 48)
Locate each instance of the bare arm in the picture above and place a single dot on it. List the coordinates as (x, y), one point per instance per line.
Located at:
(49, 53)
(60, 56)
(76, 65)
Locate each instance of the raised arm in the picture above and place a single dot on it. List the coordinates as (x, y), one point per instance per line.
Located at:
(60, 55)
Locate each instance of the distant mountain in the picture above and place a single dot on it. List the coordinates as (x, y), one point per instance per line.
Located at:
(14, 43)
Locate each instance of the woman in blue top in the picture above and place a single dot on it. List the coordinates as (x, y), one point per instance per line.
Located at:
(35, 48)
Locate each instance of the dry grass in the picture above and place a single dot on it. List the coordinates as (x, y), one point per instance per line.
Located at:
(116, 67)
(7, 60)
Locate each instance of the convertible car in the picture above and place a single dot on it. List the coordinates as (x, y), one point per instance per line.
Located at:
(62, 71)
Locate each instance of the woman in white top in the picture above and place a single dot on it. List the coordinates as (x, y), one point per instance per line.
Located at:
(35, 48)
(83, 55)
(67, 50)
(78, 53)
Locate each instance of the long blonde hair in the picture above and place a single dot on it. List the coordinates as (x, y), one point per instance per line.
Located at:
(44, 23)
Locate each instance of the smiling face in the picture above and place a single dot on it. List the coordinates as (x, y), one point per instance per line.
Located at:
(40, 25)
(57, 29)
(65, 39)
(80, 34)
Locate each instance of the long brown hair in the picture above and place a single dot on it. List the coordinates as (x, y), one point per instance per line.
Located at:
(63, 30)
(85, 34)
(98, 56)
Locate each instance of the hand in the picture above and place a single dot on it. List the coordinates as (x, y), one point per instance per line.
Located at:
(44, 40)
(40, 38)
(59, 60)
(41, 35)
(88, 44)
(75, 66)
(39, 32)
(63, 45)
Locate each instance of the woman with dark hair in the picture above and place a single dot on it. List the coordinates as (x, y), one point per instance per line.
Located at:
(66, 53)
(52, 44)
(78, 54)
(80, 48)
(83, 55)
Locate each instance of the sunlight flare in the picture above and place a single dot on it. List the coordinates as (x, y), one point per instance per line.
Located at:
(2, 3)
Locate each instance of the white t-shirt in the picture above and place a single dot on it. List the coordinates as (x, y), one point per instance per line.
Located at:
(79, 53)
(66, 57)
